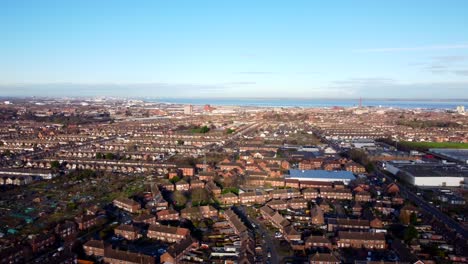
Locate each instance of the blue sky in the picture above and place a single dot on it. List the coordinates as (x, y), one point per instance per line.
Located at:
(300, 49)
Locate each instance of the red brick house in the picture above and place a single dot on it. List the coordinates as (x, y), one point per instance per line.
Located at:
(128, 232)
(167, 233)
(86, 221)
(361, 239)
(126, 204)
(318, 242)
(168, 215)
(94, 248)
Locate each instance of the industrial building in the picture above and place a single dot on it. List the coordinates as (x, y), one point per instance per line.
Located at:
(321, 175)
(457, 155)
(424, 174)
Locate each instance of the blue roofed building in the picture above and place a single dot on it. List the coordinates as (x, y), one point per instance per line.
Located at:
(321, 175)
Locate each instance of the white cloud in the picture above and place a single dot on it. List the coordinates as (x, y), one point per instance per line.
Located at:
(420, 48)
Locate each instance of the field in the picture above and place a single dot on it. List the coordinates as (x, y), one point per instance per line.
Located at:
(429, 145)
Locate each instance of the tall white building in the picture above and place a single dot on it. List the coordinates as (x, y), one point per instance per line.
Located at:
(461, 109)
(188, 109)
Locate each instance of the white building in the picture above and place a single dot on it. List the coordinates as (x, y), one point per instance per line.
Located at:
(321, 175)
(428, 174)
(188, 109)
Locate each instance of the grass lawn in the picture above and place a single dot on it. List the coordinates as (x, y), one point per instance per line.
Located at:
(429, 145)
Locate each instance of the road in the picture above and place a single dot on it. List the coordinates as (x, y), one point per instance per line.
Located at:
(451, 223)
(267, 239)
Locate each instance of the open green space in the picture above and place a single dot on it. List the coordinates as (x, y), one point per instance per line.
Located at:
(429, 145)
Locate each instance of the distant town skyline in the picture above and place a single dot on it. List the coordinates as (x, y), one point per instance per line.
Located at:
(211, 49)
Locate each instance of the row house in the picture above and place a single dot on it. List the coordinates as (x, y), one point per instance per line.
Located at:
(168, 215)
(274, 182)
(229, 199)
(116, 256)
(234, 222)
(33, 173)
(187, 171)
(278, 204)
(167, 185)
(259, 173)
(182, 186)
(167, 233)
(284, 164)
(194, 183)
(128, 232)
(361, 240)
(355, 167)
(285, 194)
(292, 183)
(332, 165)
(257, 197)
(213, 188)
(323, 258)
(145, 219)
(15, 180)
(67, 230)
(41, 241)
(356, 209)
(384, 208)
(275, 218)
(363, 197)
(316, 184)
(176, 252)
(335, 224)
(318, 242)
(297, 203)
(86, 221)
(273, 170)
(228, 166)
(255, 181)
(206, 176)
(311, 164)
(199, 212)
(94, 248)
(291, 234)
(310, 193)
(336, 194)
(126, 204)
(316, 214)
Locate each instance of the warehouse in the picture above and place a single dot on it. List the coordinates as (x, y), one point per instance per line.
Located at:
(321, 175)
(428, 174)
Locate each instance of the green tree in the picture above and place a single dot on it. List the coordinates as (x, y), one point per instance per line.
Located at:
(55, 164)
(110, 156)
(410, 233)
(174, 179)
(180, 142)
(179, 198)
(99, 155)
(200, 196)
(413, 218)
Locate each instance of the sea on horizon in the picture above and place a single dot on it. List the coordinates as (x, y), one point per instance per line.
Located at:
(312, 103)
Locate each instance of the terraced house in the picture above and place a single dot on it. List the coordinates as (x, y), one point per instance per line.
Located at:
(167, 233)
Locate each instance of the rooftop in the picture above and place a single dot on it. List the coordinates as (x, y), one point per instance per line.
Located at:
(320, 174)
